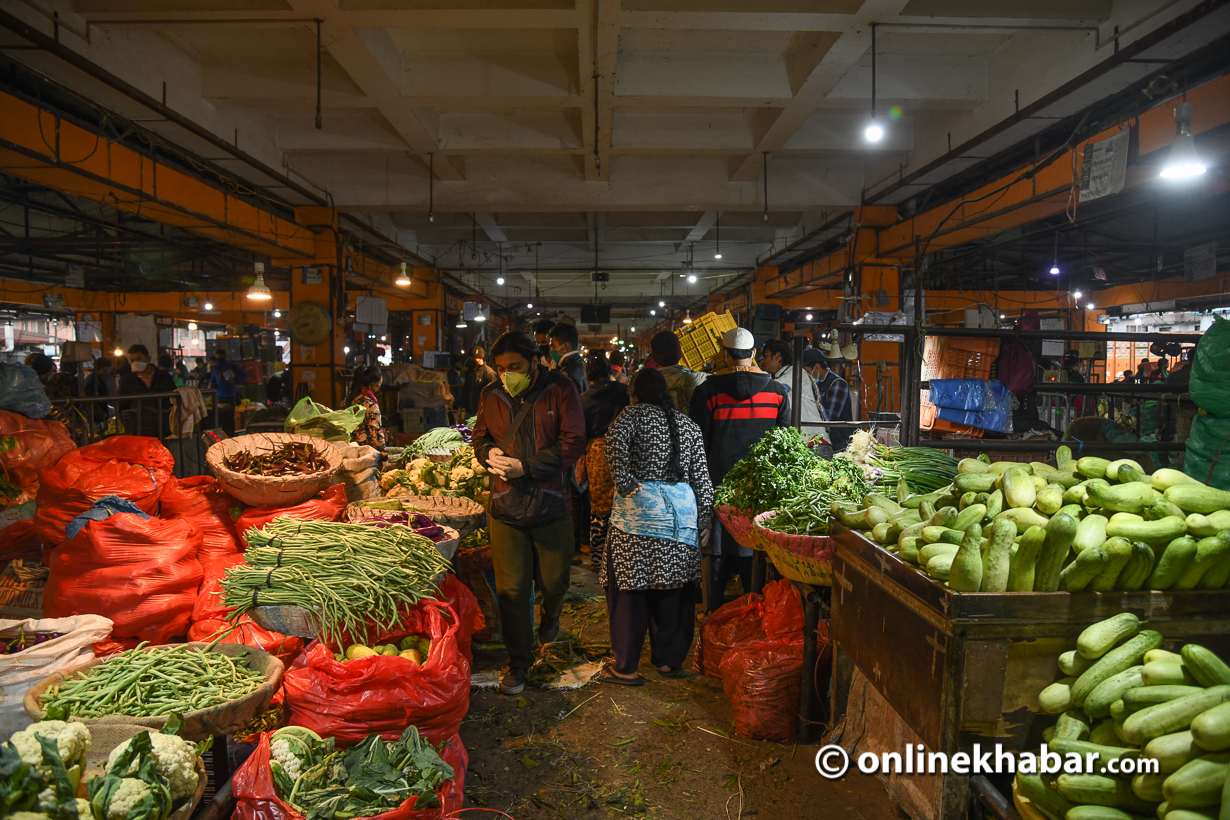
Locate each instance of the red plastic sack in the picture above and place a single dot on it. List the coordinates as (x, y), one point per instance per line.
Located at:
(257, 799)
(465, 606)
(328, 506)
(208, 604)
(40, 443)
(19, 540)
(384, 694)
(761, 679)
(736, 622)
(133, 467)
(142, 574)
(783, 609)
(209, 506)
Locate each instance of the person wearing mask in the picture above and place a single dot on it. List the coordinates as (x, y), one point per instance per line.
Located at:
(200, 373)
(618, 360)
(223, 377)
(142, 377)
(477, 379)
(777, 359)
(542, 337)
(601, 403)
(530, 431)
(659, 522)
(363, 393)
(566, 354)
(734, 408)
(681, 380)
(834, 396)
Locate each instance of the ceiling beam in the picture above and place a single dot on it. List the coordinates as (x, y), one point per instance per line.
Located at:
(702, 226)
(489, 226)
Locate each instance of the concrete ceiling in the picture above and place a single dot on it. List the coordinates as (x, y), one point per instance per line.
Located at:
(554, 129)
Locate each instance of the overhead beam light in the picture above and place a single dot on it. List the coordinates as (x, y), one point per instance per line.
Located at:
(260, 291)
(874, 131)
(692, 277)
(529, 305)
(1183, 162)
(403, 278)
(192, 325)
(277, 314)
(499, 280)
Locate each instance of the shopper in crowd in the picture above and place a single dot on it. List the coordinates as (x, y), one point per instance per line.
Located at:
(143, 378)
(566, 354)
(101, 381)
(659, 523)
(734, 407)
(601, 403)
(479, 376)
(364, 390)
(681, 380)
(834, 396)
(223, 377)
(618, 362)
(542, 337)
(167, 363)
(57, 384)
(777, 359)
(1071, 366)
(530, 431)
(200, 373)
(1128, 378)
(1144, 370)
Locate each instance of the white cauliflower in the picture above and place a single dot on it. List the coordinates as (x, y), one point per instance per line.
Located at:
(125, 797)
(286, 758)
(72, 742)
(175, 760)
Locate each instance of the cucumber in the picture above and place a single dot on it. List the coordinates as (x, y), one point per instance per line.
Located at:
(1204, 666)
(1209, 553)
(1060, 532)
(966, 500)
(1115, 661)
(1103, 734)
(848, 518)
(925, 554)
(932, 533)
(1024, 517)
(1162, 531)
(1087, 566)
(977, 482)
(1103, 754)
(1118, 711)
(944, 517)
(1097, 813)
(965, 572)
(995, 564)
(1162, 655)
(995, 505)
(1211, 729)
(1097, 703)
(1073, 663)
(1063, 457)
(907, 548)
(1076, 493)
(1173, 715)
(1166, 673)
(1050, 499)
(1047, 800)
(1023, 568)
(882, 501)
(971, 465)
(1100, 790)
(1065, 479)
(1092, 467)
(1056, 698)
(925, 508)
(874, 516)
(1072, 725)
(973, 514)
(1197, 498)
(1198, 783)
(1134, 576)
(1190, 814)
(1172, 751)
(939, 566)
(1090, 533)
(1137, 699)
(1165, 478)
(1122, 497)
(1113, 469)
(1158, 508)
(1118, 552)
(1171, 564)
(1149, 787)
(1019, 489)
(1098, 639)
(1215, 577)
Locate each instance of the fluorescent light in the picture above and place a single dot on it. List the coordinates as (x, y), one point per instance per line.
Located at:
(1183, 162)
(874, 132)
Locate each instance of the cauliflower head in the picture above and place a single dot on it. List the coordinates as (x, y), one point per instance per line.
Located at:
(175, 760)
(286, 758)
(72, 742)
(127, 796)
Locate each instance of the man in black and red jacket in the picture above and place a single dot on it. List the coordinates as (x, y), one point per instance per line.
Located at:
(734, 407)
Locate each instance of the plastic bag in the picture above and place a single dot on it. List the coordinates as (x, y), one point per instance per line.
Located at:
(19, 672)
(22, 392)
(465, 606)
(209, 506)
(761, 679)
(141, 573)
(783, 609)
(1017, 369)
(328, 506)
(311, 419)
(736, 622)
(136, 468)
(960, 394)
(39, 444)
(1208, 451)
(257, 799)
(1210, 382)
(384, 693)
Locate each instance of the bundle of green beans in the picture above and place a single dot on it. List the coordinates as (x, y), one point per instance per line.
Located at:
(807, 511)
(354, 578)
(154, 683)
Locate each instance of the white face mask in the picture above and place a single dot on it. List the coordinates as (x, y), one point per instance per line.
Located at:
(140, 366)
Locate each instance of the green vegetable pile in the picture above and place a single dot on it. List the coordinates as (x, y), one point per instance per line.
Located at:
(322, 782)
(355, 578)
(782, 472)
(154, 683)
(924, 469)
(40, 768)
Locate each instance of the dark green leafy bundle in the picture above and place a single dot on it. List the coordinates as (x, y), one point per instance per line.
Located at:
(21, 783)
(807, 512)
(775, 470)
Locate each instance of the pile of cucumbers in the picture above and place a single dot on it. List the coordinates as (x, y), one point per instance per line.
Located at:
(1126, 697)
(1091, 524)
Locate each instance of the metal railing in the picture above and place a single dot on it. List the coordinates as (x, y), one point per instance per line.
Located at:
(93, 418)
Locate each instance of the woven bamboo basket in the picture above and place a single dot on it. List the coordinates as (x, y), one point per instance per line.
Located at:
(223, 719)
(460, 514)
(739, 525)
(275, 491)
(104, 738)
(807, 559)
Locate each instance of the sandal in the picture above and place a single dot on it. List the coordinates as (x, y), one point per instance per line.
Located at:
(607, 675)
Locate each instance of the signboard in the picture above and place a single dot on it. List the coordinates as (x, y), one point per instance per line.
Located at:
(313, 276)
(1200, 262)
(1105, 167)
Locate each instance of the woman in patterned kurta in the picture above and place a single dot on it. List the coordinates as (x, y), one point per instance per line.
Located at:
(659, 518)
(363, 389)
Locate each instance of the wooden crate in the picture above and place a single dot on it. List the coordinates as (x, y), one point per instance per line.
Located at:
(966, 668)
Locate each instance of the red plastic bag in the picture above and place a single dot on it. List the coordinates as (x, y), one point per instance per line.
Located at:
(19, 540)
(133, 467)
(783, 609)
(209, 506)
(208, 604)
(257, 799)
(40, 443)
(142, 574)
(469, 617)
(761, 679)
(327, 506)
(736, 622)
(384, 693)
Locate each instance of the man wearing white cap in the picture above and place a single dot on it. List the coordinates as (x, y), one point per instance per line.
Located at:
(734, 407)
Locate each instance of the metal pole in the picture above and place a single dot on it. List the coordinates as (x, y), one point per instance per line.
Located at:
(796, 385)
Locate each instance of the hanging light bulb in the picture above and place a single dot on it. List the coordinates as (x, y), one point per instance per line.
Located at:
(808, 317)
(1089, 306)
(277, 314)
(259, 291)
(653, 312)
(1055, 257)
(1076, 294)
(192, 325)
(529, 305)
(119, 351)
(718, 249)
(1183, 162)
(480, 317)
(692, 277)
(661, 303)
(209, 305)
(687, 317)
(461, 323)
(874, 131)
(403, 278)
(632, 330)
(499, 280)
